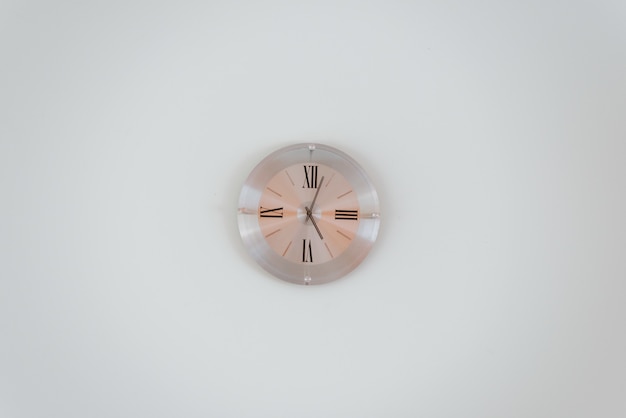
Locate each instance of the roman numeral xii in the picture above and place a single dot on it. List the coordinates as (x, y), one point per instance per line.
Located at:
(310, 177)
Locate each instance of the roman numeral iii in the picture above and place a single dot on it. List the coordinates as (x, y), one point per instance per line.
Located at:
(349, 215)
(310, 177)
(307, 252)
(271, 213)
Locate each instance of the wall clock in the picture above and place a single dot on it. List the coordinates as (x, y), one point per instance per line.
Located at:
(308, 214)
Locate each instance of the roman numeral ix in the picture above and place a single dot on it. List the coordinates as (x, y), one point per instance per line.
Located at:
(271, 213)
(350, 215)
(310, 177)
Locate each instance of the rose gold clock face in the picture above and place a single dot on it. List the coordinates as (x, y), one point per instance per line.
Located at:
(309, 213)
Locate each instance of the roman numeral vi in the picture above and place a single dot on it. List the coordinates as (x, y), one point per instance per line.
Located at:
(307, 252)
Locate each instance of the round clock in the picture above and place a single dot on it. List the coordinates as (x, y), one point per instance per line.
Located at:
(308, 214)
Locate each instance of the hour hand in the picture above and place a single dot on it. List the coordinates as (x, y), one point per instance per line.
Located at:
(310, 216)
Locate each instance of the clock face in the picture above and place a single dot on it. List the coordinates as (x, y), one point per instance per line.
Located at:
(285, 221)
(308, 214)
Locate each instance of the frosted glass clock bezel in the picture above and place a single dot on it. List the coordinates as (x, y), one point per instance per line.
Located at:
(302, 273)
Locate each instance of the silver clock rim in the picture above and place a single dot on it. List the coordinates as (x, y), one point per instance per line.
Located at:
(298, 273)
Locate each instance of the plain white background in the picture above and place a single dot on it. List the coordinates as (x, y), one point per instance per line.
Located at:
(495, 133)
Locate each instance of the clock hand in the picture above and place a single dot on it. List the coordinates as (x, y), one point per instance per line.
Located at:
(309, 211)
(319, 186)
(309, 214)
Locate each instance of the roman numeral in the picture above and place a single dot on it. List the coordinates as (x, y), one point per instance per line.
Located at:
(307, 252)
(346, 215)
(310, 177)
(271, 213)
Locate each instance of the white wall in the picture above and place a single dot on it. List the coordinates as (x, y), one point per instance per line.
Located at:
(494, 131)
